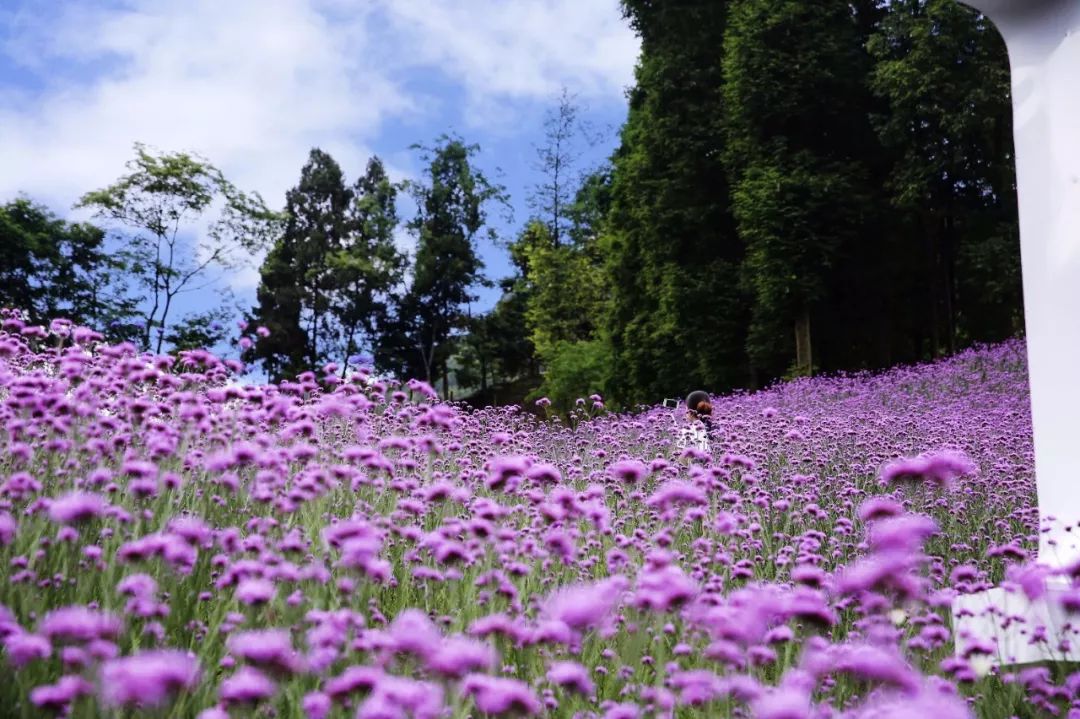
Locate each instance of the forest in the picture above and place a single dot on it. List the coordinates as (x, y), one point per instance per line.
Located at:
(800, 187)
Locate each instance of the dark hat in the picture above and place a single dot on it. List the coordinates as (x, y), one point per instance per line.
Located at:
(696, 398)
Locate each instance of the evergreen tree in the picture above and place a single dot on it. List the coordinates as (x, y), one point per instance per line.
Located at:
(452, 202)
(284, 353)
(317, 225)
(868, 149)
(369, 265)
(942, 70)
(324, 285)
(295, 278)
(795, 73)
(677, 314)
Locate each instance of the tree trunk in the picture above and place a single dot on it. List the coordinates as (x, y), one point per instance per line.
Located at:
(161, 325)
(803, 359)
(884, 340)
(934, 275)
(948, 269)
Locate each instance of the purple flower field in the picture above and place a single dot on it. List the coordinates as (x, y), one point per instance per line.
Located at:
(178, 544)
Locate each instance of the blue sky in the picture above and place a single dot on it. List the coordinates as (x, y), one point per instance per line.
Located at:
(252, 85)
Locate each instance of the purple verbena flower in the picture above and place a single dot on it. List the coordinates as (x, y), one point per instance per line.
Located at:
(941, 468)
(77, 507)
(586, 606)
(58, 697)
(353, 679)
(629, 471)
(148, 679)
(246, 686)
(316, 705)
(573, 676)
(458, 656)
(269, 649)
(497, 696)
(23, 648)
(79, 624)
(255, 590)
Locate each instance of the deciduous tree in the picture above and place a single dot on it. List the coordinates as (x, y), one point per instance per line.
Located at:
(182, 221)
(51, 268)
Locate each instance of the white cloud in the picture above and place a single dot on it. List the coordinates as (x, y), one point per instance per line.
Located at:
(521, 48)
(253, 84)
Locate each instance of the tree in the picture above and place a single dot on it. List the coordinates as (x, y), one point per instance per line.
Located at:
(575, 370)
(317, 228)
(807, 184)
(797, 127)
(676, 318)
(513, 354)
(200, 330)
(50, 268)
(557, 161)
(284, 352)
(589, 210)
(567, 292)
(557, 294)
(161, 202)
(324, 285)
(942, 71)
(474, 355)
(368, 265)
(452, 202)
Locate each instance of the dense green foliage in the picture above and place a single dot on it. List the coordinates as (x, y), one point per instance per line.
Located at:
(51, 268)
(452, 207)
(844, 168)
(677, 318)
(796, 132)
(324, 284)
(947, 124)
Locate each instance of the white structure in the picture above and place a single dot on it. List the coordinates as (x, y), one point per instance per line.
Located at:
(693, 436)
(1043, 38)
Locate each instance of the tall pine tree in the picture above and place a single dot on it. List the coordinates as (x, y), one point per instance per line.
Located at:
(452, 201)
(326, 282)
(677, 315)
(284, 353)
(296, 279)
(795, 76)
(943, 72)
(368, 265)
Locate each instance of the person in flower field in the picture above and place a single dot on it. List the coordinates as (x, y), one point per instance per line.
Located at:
(699, 409)
(699, 419)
